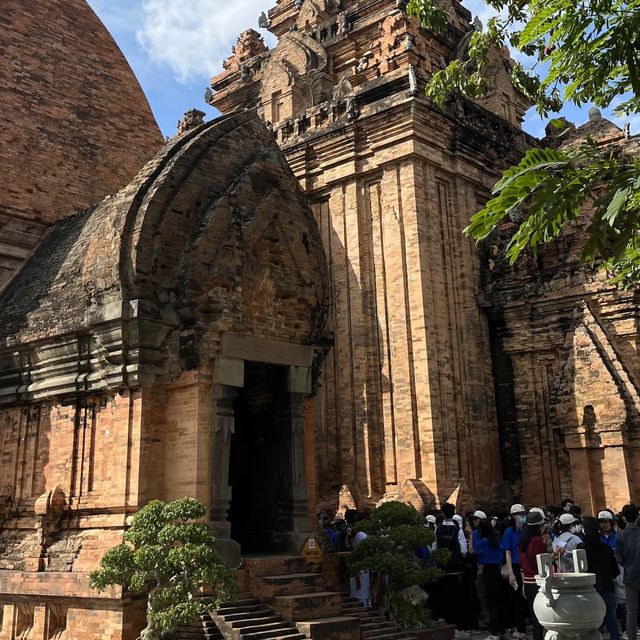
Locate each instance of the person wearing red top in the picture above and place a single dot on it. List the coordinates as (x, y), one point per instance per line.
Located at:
(532, 544)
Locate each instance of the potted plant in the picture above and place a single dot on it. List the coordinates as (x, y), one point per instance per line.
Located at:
(395, 531)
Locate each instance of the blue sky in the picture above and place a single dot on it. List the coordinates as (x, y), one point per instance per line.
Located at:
(175, 46)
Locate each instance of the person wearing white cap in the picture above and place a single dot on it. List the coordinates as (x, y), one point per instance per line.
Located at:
(608, 534)
(566, 543)
(431, 522)
(510, 544)
(360, 585)
(476, 518)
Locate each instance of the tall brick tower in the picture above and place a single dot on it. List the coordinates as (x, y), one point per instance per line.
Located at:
(75, 125)
(407, 401)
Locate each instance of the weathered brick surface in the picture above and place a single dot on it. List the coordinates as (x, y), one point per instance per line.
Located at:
(406, 406)
(124, 337)
(76, 125)
(568, 341)
(110, 333)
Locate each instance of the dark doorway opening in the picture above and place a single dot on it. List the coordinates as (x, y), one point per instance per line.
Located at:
(254, 467)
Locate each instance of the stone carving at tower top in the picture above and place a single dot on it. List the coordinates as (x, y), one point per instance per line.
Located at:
(321, 42)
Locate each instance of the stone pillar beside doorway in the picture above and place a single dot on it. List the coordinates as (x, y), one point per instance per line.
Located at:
(293, 521)
(228, 376)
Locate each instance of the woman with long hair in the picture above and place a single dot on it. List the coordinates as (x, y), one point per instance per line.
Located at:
(602, 561)
(532, 544)
(485, 543)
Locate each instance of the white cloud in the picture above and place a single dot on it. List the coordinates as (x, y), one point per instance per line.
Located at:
(193, 37)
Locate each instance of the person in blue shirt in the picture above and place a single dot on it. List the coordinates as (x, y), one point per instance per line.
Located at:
(608, 534)
(510, 546)
(485, 543)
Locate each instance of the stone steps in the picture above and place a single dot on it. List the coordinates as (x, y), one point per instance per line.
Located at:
(252, 619)
(282, 600)
(372, 625)
(308, 606)
(290, 584)
(205, 630)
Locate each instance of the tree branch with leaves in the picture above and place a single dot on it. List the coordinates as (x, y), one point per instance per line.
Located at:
(576, 52)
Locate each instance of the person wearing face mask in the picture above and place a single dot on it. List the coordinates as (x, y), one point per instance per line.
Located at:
(576, 512)
(567, 542)
(485, 544)
(510, 546)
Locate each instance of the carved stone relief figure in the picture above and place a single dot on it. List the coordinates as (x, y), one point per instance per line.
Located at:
(296, 77)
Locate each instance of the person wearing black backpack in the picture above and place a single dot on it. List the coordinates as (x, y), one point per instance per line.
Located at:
(449, 535)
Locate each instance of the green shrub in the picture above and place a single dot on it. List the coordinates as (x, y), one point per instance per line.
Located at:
(172, 556)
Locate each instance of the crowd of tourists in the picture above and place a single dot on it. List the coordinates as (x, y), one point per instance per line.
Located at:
(490, 580)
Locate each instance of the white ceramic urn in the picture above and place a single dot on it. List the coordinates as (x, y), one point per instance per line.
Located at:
(567, 604)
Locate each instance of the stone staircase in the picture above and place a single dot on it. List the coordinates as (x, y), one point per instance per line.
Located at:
(205, 629)
(280, 600)
(372, 625)
(251, 619)
(299, 596)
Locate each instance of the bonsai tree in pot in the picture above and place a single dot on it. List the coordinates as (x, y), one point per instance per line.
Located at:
(167, 552)
(395, 532)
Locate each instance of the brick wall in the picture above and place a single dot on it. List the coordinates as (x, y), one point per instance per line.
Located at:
(76, 125)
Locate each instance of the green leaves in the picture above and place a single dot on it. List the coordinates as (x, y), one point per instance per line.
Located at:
(173, 557)
(117, 568)
(389, 515)
(575, 52)
(431, 16)
(616, 205)
(550, 188)
(535, 172)
(396, 530)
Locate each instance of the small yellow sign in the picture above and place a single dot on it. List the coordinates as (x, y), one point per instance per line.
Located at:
(312, 551)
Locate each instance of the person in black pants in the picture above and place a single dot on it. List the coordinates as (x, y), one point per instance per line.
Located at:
(602, 561)
(485, 543)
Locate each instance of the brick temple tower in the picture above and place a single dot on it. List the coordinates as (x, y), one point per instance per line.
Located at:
(76, 125)
(407, 403)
